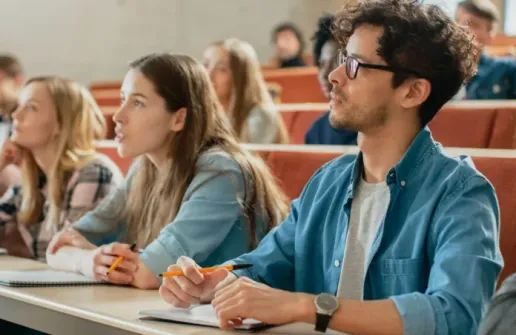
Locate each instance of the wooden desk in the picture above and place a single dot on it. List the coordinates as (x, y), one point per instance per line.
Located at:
(105, 310)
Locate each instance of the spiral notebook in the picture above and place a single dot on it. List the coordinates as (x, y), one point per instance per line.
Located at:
(36, 278)
(203, 315)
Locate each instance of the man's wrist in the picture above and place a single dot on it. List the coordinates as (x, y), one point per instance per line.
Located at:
(307, 310)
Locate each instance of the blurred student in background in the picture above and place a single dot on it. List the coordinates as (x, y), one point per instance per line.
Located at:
(235, 74)
(289, 46)
(500, 318)
(53, 133)
(11, 81)
(194, 191)
(326, 52)
(496, 76)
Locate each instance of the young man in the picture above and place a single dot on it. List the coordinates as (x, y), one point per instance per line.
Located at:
(325, 56)
(289, 45)
(496, 77)
(400, 239)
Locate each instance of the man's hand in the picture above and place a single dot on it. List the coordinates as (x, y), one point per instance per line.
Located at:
(194, 287)
(247, 299)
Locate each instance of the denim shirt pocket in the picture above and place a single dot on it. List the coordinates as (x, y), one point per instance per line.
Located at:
(398, 276)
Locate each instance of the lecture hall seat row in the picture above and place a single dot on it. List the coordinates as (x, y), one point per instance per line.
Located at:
(295, 85)
(479, 124)
(284, 161)
(468, 124)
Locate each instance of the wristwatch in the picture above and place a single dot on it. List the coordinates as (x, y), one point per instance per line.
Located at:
(326, 305)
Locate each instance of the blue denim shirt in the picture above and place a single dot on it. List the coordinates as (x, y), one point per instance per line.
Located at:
(495, 79)
(436, 254)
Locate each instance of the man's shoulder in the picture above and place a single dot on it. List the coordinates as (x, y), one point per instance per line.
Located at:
(457, 172)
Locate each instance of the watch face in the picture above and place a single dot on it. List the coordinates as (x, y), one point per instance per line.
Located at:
(326, 302)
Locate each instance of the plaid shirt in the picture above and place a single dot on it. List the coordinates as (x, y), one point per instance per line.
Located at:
(86, 187)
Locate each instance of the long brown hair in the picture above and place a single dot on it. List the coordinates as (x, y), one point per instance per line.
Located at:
(155, 196)
(81, 122)
(249, 89)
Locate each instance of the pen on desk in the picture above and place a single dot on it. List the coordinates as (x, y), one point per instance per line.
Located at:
(118, 261)
(206, 270)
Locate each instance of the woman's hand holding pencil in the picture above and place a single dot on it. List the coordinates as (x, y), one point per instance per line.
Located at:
(115, 262)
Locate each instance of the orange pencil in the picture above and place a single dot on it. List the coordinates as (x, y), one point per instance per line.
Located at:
(206, 270)
(118, 261)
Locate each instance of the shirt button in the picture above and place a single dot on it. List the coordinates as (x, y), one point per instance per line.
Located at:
(403, 183)
(337, 263)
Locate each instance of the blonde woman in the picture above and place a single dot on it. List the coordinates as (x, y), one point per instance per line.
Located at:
(194, 191)
(53, 133)
(236, 77)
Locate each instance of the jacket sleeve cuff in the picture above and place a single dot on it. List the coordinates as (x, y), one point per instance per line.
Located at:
(156, 258)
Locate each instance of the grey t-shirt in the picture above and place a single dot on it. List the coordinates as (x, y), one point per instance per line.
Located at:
(367, 212)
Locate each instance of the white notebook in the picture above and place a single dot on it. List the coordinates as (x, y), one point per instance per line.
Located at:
(203, 315)
(3, 251)
(32, 278)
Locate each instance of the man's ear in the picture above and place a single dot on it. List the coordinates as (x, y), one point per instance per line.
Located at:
(179, 120)
(417, 93)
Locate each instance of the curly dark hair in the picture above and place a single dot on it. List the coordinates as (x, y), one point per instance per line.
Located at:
(418, 37)
(322, 35)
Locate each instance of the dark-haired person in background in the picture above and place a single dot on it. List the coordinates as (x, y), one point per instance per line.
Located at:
(496, 77)
(289, 45)
(401, 239)
(325, 52)
(11, 82)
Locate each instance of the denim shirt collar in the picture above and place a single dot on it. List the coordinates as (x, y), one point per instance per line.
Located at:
(409, 164)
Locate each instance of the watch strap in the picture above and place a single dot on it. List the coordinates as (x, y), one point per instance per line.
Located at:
(322, 321)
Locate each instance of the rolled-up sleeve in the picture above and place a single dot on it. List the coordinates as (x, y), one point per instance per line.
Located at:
(467, 261)
(209, 211)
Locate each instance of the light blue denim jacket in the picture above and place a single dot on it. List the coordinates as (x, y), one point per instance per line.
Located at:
(210, 226)
(436, 254)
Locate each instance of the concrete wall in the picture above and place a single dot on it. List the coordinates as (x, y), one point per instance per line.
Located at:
(94, 39)
(89, 40)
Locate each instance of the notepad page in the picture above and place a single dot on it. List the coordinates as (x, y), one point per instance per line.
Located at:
(43, 277)
(200, 315)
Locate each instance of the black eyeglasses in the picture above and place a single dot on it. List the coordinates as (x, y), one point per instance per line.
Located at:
(352, 66)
